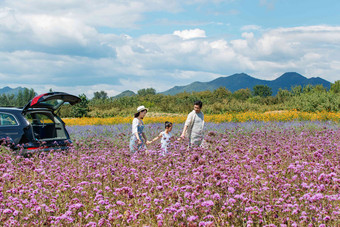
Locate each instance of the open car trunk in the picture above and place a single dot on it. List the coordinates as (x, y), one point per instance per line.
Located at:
(51, 100)
(46, 126)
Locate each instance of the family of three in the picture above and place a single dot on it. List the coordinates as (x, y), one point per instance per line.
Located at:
(193, 130)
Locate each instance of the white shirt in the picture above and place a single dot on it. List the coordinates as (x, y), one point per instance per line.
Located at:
(165, 139)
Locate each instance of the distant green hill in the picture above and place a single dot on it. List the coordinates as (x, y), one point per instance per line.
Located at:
(8, 91)
(125, 94)
(242, 80)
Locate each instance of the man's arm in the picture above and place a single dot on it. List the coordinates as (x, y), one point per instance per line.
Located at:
(184, 131)
(186, 125)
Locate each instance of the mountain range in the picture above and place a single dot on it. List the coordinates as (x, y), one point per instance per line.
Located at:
(242, 80)
(232, 83)
(9, 91)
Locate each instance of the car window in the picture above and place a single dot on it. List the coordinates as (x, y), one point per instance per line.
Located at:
(54, 103)
(7, 120)
(39, 118)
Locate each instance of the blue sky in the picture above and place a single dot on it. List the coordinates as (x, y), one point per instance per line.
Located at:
(86, 46)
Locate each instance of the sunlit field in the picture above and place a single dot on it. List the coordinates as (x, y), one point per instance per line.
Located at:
(253, 173)
(283, 115)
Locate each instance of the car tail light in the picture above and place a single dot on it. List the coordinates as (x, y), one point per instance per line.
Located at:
(32, 148)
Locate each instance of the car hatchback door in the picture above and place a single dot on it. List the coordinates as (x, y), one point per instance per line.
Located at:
(51, 100)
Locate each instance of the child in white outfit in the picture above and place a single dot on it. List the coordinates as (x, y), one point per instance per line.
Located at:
(165, 135)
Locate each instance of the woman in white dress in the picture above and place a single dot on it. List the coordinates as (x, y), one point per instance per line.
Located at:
(138, 137)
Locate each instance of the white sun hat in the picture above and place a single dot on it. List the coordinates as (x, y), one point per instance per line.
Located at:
(141, 108)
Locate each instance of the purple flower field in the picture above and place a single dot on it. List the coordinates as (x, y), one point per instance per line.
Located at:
(247, 174)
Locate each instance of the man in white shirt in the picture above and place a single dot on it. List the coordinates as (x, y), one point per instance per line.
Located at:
(194, 126)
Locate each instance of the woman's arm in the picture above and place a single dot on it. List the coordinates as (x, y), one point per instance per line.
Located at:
(135, 130)
(137, 136)
(134, 126)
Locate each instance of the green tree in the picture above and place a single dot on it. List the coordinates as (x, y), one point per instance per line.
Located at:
(81, 109)
(297, 90)
(335, 88)
(242, 94)
(24, 96)
(221, 93)
(102, 95)
(307, 89)
(7, 100)
(28, 95)
(283, 95)
(319, 88)
(147, 91)
(20, 99)
(262, 91)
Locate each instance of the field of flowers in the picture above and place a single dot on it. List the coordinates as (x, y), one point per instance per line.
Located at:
(248, 174)
(283, 115)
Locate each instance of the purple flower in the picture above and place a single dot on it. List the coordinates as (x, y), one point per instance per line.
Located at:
(232, 201)
(7, 211)
(187, 195)
(216, 196)
(92, 224)
(247, 209)
(208, 203)
(84, 183)
(207, 223)
(327, 218)
(76, 206)
(192, 218)
(316, 197)
(208, 217)
(160, 217)
(271, 162)
(120, 203)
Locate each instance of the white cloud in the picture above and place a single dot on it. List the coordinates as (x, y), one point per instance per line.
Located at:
(190, 34)
(270, 4)
(160, 60)
(250, 27)
(114, 14)
(111, 90)
(193, 75)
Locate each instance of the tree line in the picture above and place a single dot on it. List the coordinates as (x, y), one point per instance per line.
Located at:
(308, 98)
(19, 100)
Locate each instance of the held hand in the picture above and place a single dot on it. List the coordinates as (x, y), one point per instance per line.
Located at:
(148, 142)
(139, 141)
(181, 137)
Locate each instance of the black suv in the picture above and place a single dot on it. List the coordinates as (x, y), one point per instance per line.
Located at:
(36, 127)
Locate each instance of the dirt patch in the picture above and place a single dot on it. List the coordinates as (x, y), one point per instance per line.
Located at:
(276, 112)
(157, 114)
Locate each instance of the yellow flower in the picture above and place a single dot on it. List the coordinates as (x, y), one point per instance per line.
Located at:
(282, 115)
